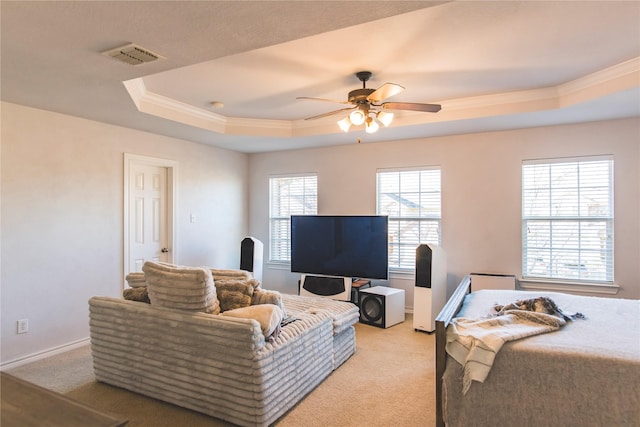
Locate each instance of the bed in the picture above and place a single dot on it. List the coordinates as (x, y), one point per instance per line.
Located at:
(585, 373)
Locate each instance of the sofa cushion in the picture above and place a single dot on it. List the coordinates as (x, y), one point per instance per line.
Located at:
(234, 294)
(268, 315)
(344, 314)
(136, 279)
(228, 274)
(180, 287)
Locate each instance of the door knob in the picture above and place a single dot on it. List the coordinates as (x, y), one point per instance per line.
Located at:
(164, 250)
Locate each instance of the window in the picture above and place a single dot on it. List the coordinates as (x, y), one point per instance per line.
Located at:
(288, 195)
(567, 219)
(411, 200)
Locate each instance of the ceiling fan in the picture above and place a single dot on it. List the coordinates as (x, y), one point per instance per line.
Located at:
(367, 107)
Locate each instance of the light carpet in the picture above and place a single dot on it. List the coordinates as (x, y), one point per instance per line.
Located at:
(388, 382)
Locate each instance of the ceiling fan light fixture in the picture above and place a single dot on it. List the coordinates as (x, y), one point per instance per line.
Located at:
(372, 125)
(357, 117)
(367, 105)
(344, 124)
(385, 118)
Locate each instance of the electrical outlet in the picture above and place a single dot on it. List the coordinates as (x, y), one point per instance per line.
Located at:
(23, 326)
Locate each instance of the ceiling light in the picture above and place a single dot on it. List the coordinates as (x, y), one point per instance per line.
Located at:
(385, 118)
(357, 117)
(364, 114)
(372, 126)
(345, 124)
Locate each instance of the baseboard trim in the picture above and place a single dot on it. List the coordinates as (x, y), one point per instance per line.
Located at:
(43, 354)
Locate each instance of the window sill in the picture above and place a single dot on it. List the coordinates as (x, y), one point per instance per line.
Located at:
(279, 265)
(560, 286)
(402, 273)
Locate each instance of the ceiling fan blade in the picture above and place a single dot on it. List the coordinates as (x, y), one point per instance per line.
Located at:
(323, 99)
(331, 113)
(384, 92)
(428, 108)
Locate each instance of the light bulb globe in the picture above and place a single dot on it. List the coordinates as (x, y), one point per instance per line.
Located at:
(357, 117)
(385, 118)
(344, 124)
(372, 126)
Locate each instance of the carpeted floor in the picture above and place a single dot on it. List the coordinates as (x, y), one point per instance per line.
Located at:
(388, 382)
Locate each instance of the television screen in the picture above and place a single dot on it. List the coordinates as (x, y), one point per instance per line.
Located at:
(342, 246)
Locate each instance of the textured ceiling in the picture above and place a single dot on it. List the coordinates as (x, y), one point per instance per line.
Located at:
(492, 65)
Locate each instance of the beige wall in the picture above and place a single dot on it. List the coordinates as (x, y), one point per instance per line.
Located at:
(62, 202)
(481, 181)
(62, 210)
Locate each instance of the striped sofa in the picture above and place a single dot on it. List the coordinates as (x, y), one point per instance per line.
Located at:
(221, 366)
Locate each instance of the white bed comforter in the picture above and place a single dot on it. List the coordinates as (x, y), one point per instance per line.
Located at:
(587, 373)
(474, 343)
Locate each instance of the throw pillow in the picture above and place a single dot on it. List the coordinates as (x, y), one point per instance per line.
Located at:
(255, 283)
(230, 274)
(267, 296)
(180, 287)
(234, 294)
(268, 315)
(137, 294)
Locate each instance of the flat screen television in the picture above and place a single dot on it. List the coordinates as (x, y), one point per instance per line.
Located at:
(341, 246)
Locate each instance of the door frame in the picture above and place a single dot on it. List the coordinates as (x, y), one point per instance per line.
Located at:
(131, 160)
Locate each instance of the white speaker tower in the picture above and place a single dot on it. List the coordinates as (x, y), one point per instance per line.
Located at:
(430, 292)
(251, 250)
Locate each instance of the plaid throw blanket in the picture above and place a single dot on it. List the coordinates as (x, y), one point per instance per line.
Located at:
(474, 343)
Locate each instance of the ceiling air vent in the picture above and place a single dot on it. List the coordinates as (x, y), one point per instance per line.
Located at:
(132, 54)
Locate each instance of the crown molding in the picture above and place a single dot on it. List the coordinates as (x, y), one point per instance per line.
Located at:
(498, 99)
(600, 83)
(608, 75)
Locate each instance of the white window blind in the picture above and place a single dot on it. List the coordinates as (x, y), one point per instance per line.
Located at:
(412, 201)
(288, 195)
(567, 219)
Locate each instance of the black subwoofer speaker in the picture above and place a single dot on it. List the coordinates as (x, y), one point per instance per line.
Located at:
(381, 306)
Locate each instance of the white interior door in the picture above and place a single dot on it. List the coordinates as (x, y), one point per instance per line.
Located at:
(148, 215)
(148, 212)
